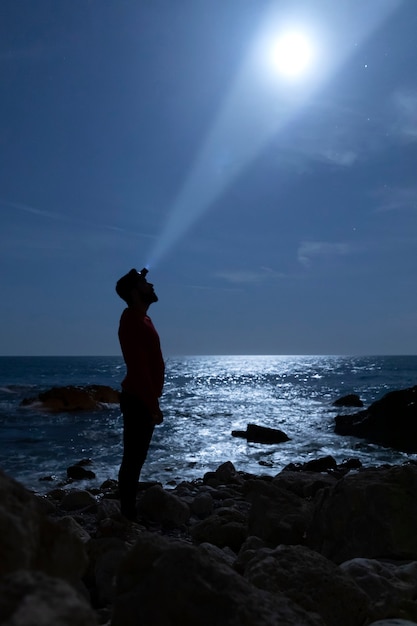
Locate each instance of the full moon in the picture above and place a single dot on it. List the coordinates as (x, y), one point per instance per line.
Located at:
(292, 54)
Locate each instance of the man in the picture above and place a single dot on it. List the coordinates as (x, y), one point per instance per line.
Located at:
(142, 385)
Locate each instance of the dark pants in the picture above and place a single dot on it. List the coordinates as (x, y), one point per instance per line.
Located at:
(137, 434)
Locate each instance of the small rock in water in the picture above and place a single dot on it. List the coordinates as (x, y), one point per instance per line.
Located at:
(261, 434)
(77, 472)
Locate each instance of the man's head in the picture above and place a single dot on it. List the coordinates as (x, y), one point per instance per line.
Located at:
(134, 289)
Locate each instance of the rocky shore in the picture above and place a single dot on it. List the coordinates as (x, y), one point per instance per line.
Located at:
(318, 544)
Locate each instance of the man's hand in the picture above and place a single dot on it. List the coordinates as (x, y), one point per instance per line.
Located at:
(157, 418)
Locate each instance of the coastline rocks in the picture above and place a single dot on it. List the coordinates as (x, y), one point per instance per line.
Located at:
(335, 547)
(261, 434)
(74, 398)
(196, 589)
(390, 421)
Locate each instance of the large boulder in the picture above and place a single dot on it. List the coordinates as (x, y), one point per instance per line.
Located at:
(225, 527)
(31, 540)
(311, 581)
(74, 398)
(371, 514)
(34, 599)
(390, 587)
(390, 421)
(161, 506)
(171, 583)
(276, 514)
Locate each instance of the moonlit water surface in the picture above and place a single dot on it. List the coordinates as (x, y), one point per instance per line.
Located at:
(205, 398)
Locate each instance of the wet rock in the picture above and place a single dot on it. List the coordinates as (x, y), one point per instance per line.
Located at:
(225, 474)
(261, 434)
(390, 421)
(78, 472)
(75, 398)
(350, 400)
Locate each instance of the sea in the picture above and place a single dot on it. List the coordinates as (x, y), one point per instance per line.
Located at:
(205, 398)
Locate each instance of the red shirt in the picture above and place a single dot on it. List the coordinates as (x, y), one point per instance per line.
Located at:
(142, 354)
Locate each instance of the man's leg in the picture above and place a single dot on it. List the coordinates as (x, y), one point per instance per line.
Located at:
(137, 434)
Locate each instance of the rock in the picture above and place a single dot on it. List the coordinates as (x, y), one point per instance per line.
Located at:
(393, 622)
(225, 474)
(390, 421)
(223, 555)
(303, 484)
(73, 398)
(277, 515)
(34, 599)
(370, 514)
(105, 555)
(261, 434)
(225, 528)
(303, 547)
(77, 499)
(202, 505)
(311, 581)
(163, 507)
(391, 587)
(78, 472)
(195, 589)
(31, 540)
(350, 400)
(73, 528)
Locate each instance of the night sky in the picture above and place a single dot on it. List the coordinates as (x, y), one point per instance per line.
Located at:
(272, 195)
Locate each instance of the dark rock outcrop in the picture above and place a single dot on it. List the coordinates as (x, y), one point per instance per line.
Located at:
(31, 597)
(74, 398)
(261, 434)
(372, 514)
(311, 581)
(390, 421)
(351, 399)
(172, 583)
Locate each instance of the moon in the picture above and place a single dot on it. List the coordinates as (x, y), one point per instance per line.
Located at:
(293, 54)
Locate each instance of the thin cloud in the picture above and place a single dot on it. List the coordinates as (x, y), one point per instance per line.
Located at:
(71, 219)
(308, 251)
(396, 198)
(241, 277)
(33, 211)
(405, 125)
